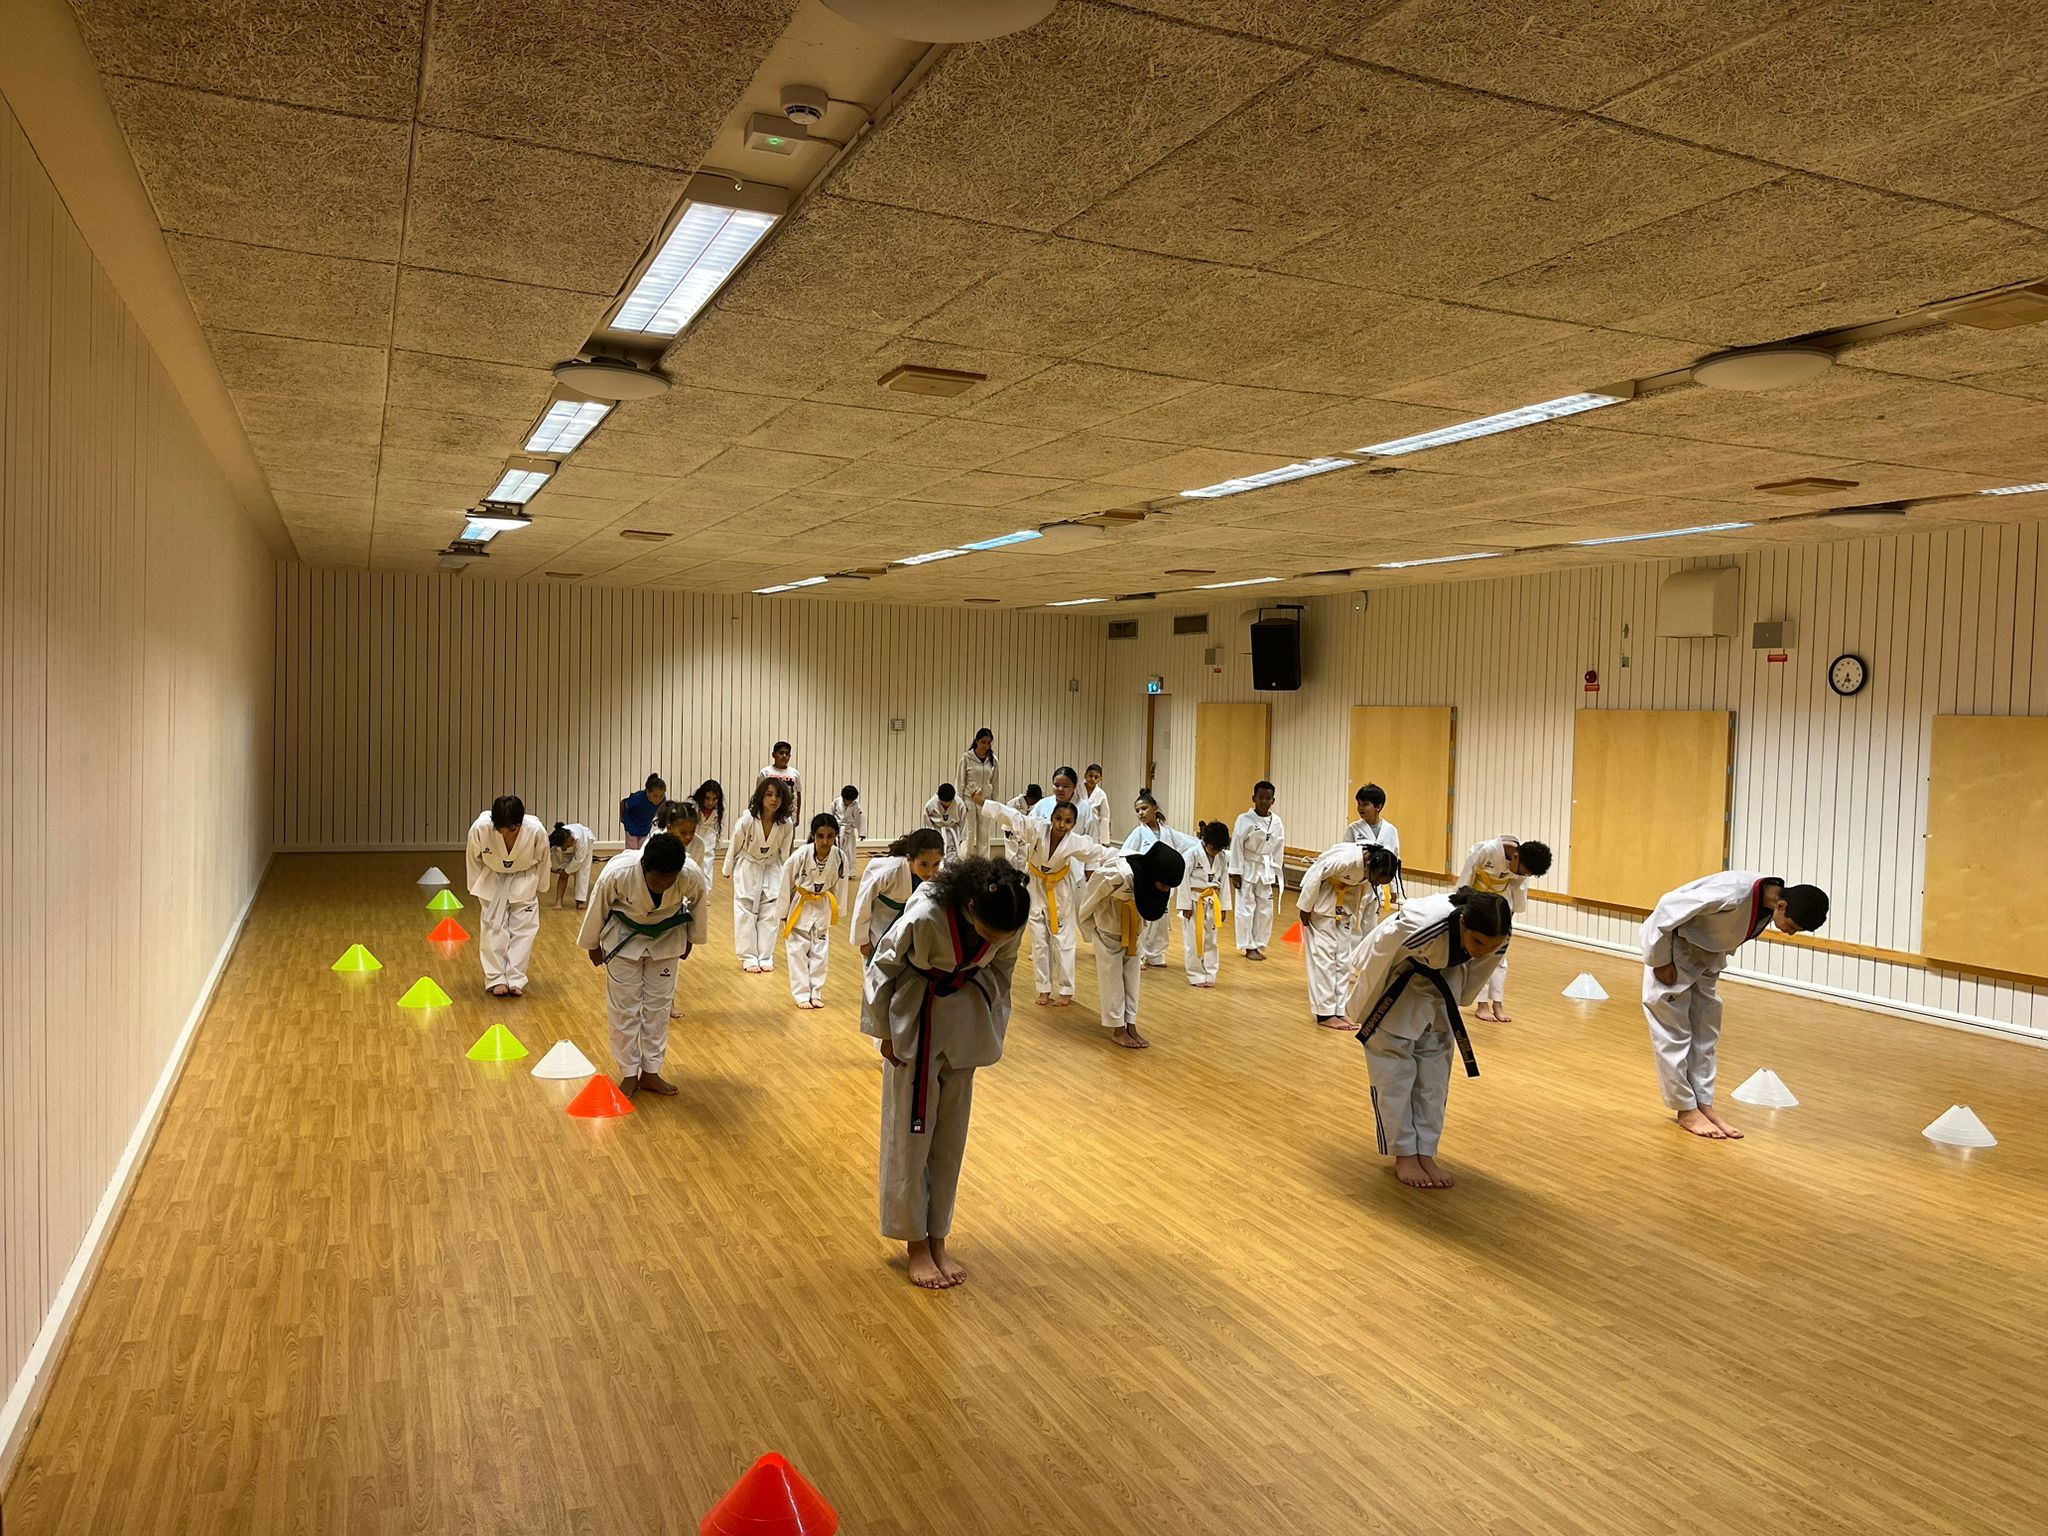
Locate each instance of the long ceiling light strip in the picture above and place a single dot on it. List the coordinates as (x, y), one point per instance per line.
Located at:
(475, 533)
(1004, 541)
(704, 249)
(791, 586)
(519, 486)
(1219, 586)
(1402, 565)
(1076, 602)
(927, 559)
(2016, 490)
(1486, 426)
(1268, 477)
(566, 424)
(1668, 533)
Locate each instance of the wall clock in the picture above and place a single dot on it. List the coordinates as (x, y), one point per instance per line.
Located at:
(1847, 674)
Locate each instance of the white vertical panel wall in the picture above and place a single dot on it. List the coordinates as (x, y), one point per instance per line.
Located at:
(135, 626)
(406, 703)
(1826, 789)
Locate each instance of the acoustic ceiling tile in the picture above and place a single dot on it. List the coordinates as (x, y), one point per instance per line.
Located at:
(286, 365)
(249, 288)
(494, 322)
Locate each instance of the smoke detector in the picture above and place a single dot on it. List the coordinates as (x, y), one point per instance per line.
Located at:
(1754, 368)
(611, 378)
(805, 105)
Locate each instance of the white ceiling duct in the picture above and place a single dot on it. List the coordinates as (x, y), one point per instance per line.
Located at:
(944, 21)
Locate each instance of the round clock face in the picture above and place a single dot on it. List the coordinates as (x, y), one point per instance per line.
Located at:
(1847, 675)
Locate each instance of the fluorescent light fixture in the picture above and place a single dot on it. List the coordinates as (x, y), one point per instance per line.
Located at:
(566, 424)
(1486, 426)
(1076, 602)
(1218, 586)
(1402, 565)
(1668, 533)
(937, 554)
(1021, 536)
(500, 518)
(704, 249)
(2017, 490)
(1268, 477)
(790, 586)
(519, 486)
(476, 533)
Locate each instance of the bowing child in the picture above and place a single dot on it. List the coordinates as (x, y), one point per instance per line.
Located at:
(640, 926)
(813, 880)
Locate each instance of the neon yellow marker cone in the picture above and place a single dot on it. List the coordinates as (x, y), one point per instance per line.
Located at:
(425, 993)
(357, 958)
(445, 901)
(497, 1044)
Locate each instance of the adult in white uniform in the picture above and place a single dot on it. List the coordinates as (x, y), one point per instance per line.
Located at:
(1204, 898)
(1056, 858)
(947, 814)
(640, 927)
(1686, 945)
(978, 774)
(507, 859)
(888, 883)
(1503, 865)
(814, 878)
(1096, 798)
(1258, 864)
(938, 1000)
(761, 845)
(1416, 971)
(1123, 895)
(1339, 902)
(1066, 790)
(570, 845)
(1151, 829)
(852, 817)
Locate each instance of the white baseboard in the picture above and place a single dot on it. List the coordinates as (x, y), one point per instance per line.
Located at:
(25, 1398)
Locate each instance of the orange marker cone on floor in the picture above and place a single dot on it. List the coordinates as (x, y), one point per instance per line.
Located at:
(357, 958)
(1292, 935)
(497, 1044)
(445, 901)
(600, 1100)
(771, 1499)
(425, 993)
(448, 931)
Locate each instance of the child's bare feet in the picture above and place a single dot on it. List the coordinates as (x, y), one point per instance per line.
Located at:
(1045, 999)
(654, 1082)
(1129, 1038)
(1437, 1177)
(630, 1084)
(1501, 1015)
(1255, 954)
(1726, 1129)
(515, 991)
(1337, 1021)
(924, 1268)
(950, 1267)
(1064, 1002)
(1701, 1124)
(501, 990)
(1409, 1171)
(1484, 1011)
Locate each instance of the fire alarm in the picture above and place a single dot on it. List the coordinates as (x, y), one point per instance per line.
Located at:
(1592, 682)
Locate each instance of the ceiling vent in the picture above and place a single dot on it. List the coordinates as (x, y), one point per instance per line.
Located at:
(645, 535)
(1191, 623)
(1123, 629)
(916, 379)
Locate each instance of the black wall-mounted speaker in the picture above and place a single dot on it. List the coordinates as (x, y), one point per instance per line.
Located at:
(1276, 655)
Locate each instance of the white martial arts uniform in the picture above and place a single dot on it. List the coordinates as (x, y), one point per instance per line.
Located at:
(754, 860)
(1381, 836)
(1013, 850)
(1152, 938)
(640, 975)
(853, 823)
(972, 774)
(812, 890)
(886, 886)
(950, 822)
(1085, 819)
(1696, 928)
(1338, 904)
(1056, 875)
(1203, 899)
(1114, 928)
(506, 883)
(1098, 814)
(1258, 857)
(940, 995)
(1398, 999)
(1486, 868)
(574, 861)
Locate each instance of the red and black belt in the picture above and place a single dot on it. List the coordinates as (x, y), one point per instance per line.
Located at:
(938, 984)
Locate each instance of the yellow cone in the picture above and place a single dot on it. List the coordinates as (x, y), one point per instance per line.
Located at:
(425, 993)
(497, 1044)
(357, 958)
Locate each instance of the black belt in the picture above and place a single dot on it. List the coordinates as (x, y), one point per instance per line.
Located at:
(1392, 995)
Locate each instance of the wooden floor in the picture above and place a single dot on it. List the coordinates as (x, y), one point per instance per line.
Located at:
(366, 1285)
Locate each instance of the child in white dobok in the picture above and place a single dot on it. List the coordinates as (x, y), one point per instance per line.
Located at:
(1204, 898)
(640, 926)
(813, 880)
(506, 861)
(761, 845)
(1151, 829)
(1339, 902)
(1416, 971)
(1505, 866)
(683, 820)
(938, 1000)
(1686, 945)
(888, 883)
(1125, 893)
(570, 846)
(947, 814)
(1258, 863)
(1056, 858)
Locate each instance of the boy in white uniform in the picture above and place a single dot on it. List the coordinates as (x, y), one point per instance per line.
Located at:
(1505, 866)
(1204, 898)
(1372, 825)
(1123, 895)
(778, 768)
(813, 881)
(506, 860)
(639, 927)
(946, 814)
(852, 819)
(1339, 903)
(1416, 970)
(570, 846)
(1258, 860)
(1097, 800)
(1012, 849)
(1686, 945)
(1056, 858)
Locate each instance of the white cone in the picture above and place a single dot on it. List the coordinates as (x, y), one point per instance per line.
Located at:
(1586, 989)
(564, 1060)
(1766, 1090)
(1960, 1127)
(433, 876)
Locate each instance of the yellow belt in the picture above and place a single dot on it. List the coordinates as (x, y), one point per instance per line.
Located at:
(1130, 915)
(1049, 881)
(1209, 899)
(805, 899)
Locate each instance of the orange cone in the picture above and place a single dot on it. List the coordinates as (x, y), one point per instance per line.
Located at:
(1292, 935)
(448, 931)
(772, 1499)
(600, 1100)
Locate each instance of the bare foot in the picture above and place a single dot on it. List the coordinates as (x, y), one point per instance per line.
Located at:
(949, 1266)
(1129, 1039)
(1701, 1125)
(1501, 1015)
(1409, 1171)
(1063, 1002)
(1438, 1178)
(654, 1082)
(924, 1268)
(501, 990)
(1339, 1022)
(629, 1085)
(515, 991)
(1045, 999)
(557, 906)
(1484, 1011)
(1255, 954)
(1726, 1129)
